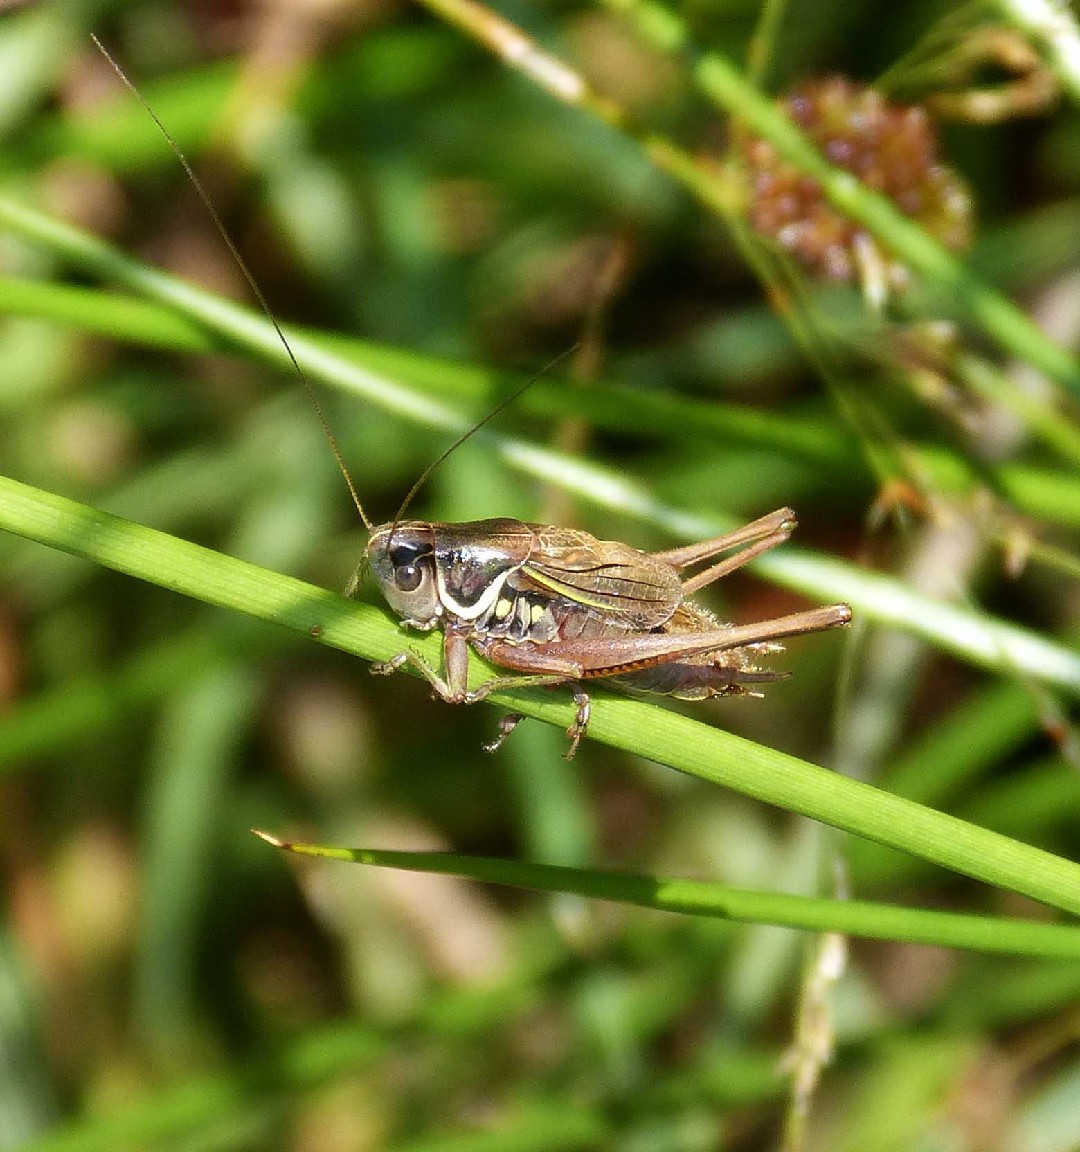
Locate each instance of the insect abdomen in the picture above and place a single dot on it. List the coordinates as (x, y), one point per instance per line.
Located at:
(519, 616)
(697, 681)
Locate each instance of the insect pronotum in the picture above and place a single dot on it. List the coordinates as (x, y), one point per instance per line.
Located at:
(555, 606)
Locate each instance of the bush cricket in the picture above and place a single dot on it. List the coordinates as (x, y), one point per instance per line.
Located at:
(554, 605)
(558, 606)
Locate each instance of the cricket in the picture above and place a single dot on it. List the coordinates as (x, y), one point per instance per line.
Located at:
(553, 606)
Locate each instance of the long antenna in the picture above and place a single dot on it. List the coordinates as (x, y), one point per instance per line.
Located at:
(252, 283)
(424, 476)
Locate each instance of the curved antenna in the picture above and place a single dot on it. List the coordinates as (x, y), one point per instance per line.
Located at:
(424, 476)
(251, 281)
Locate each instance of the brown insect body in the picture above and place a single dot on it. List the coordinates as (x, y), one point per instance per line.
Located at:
(557, 605)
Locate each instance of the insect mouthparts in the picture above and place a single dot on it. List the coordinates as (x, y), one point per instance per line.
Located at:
(359, 575)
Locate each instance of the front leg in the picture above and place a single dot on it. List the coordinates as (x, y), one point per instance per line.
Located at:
(454, 687)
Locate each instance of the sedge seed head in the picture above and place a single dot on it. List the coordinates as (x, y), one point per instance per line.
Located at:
(891, 148)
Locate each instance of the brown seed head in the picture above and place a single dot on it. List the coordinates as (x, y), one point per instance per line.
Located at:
(891, 148)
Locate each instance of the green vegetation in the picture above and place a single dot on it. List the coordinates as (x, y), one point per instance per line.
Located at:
(433, 224)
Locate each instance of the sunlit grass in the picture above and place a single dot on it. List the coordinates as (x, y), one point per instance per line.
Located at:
(180, 670)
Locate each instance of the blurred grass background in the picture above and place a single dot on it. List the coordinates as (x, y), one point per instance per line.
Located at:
(166, 980)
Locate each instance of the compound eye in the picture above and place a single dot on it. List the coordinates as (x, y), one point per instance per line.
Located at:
(408, 577)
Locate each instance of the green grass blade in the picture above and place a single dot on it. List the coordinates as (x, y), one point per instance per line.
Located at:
(646, 729)
(1048, 494)
(969, 634)
(698, 898)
